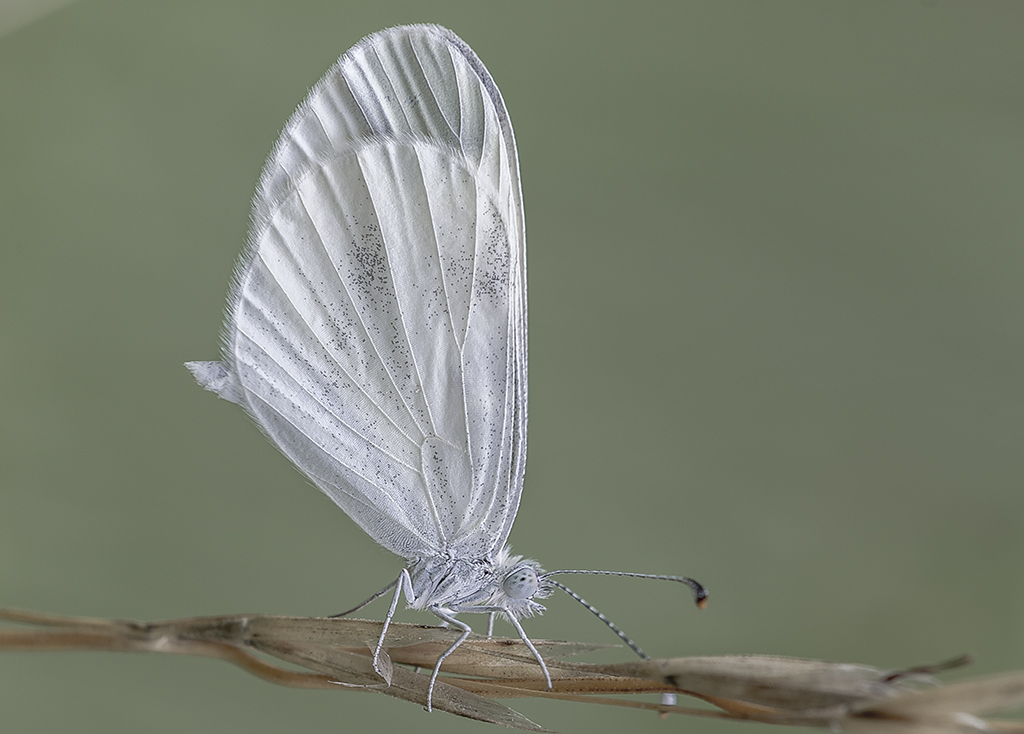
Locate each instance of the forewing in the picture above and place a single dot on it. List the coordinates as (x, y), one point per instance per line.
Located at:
(377, 326)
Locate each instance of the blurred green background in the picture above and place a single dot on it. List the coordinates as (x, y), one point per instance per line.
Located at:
(776, 338)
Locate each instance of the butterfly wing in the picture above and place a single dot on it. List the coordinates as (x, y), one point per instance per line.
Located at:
(377, 325)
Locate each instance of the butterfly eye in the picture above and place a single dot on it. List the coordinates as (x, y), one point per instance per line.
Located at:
(522, 583)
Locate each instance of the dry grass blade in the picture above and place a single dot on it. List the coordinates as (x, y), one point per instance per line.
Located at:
(763, 680)
(949, 708)
(335, 653)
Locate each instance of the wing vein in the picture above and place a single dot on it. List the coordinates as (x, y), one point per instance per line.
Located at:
(435, 516)
(362, 324)
(257, 345)
(399, 103)
(335, 486)
(426, 78)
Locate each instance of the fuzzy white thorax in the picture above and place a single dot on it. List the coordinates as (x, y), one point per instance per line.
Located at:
(460, 585)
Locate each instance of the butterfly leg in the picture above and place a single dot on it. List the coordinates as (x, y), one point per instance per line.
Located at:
(359, 606)
(536, 653)
(519, 628)
(466, 631)
(403, 585)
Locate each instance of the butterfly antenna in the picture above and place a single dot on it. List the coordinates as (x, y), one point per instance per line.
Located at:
(700, 597)
(597, 613)
(700, 594)
(359, 606)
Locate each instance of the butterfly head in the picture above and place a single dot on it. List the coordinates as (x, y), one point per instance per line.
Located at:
(520, 582)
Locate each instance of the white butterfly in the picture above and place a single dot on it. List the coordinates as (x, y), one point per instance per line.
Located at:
(377, 323)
